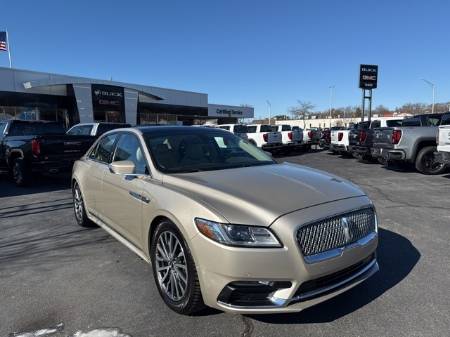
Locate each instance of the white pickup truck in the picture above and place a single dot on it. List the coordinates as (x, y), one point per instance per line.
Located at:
(340, 141)
(262, 136)
(443, 140)
(239, 130)
(289, 136)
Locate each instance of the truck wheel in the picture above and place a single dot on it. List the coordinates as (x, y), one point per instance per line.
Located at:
(426, 163)
(20, 173)
(175, 271)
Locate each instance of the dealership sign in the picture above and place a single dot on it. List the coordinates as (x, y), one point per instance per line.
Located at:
(215, 110)
(107, 97)
(368, 76)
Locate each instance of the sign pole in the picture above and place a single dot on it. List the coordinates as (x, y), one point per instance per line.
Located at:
(9, 48)
(370, 105)
(363, 104)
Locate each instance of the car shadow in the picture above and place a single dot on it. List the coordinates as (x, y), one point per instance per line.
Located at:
(396, 257)
(41, 184)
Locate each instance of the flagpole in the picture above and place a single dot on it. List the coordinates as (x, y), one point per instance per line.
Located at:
(9, 48)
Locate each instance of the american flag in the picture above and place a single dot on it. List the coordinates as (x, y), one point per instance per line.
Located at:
(3, 42)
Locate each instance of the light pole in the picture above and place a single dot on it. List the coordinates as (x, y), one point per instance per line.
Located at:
(331, 87)
(269, 108)
(433, 89)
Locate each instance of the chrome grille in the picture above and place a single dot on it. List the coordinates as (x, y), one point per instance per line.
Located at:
(336, 231)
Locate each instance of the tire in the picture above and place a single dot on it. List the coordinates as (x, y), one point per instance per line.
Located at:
(425, 162)
(79, 208)
(20, 173)
(175, 277)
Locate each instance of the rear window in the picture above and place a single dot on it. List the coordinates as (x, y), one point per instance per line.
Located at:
(411, 122)
(445, 120)
(38, 129)
(102, 128)
(240, 129)
(251, 129)
(394, 122)
(266, 128)
(80, 130)
(285, 128)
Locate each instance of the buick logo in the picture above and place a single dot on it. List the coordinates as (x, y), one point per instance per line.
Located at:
(345, 223)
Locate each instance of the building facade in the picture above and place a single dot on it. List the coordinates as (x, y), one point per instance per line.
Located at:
(70, 100)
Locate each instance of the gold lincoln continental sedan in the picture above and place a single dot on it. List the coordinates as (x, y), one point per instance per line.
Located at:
(222, 223)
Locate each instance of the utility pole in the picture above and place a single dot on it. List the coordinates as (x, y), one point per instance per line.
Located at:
(331, 87)
(269, 108)
(433, 92)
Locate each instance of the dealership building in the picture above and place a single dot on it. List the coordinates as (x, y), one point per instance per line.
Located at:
(32, 95)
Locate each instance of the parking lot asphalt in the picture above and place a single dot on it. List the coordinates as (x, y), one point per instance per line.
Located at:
(52, 271)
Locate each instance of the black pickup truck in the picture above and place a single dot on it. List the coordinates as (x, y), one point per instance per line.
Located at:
(28, 147)
(362, 136)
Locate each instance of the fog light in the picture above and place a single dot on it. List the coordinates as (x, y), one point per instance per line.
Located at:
(251, 293)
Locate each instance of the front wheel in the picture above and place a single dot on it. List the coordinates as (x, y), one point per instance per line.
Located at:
(174, 270)
(426, 162)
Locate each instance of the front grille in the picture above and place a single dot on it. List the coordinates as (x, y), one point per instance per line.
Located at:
(336, 231)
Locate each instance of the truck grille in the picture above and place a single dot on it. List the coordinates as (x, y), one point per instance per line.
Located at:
(336, 231)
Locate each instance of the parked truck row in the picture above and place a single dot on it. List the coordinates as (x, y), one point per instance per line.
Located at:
(422, 141)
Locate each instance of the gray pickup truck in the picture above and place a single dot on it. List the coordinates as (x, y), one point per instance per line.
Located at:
(414, 142)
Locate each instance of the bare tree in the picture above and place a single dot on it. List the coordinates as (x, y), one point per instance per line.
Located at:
(304, 108)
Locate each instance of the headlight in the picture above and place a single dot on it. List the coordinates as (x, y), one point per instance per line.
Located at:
(237, 235)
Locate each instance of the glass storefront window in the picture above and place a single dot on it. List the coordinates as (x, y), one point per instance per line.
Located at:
(45, 113)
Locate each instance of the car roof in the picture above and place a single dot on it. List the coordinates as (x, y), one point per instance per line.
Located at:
(171, 129)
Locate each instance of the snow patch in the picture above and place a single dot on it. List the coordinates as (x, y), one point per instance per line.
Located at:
(110, 332)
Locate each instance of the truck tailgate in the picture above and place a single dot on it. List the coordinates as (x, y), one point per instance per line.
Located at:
(64, 147)
(273, 137)
(382, 137)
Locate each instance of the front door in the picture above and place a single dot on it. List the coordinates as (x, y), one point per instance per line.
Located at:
(122, 195)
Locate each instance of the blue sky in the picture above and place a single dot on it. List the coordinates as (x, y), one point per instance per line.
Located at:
(241, 51)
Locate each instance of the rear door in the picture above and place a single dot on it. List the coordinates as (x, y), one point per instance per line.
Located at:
(98, 161)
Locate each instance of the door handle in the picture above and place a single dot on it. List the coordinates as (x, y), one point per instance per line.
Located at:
(139, 197)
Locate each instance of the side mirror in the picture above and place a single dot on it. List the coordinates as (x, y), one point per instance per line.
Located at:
(123, 167)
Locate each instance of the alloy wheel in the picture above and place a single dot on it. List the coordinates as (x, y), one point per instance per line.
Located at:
(171, 266)
(78, 203)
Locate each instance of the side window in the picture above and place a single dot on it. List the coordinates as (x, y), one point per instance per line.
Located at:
(2, 128)
(285, 128)
(375, 124)
(129, 148)
(445, 120)
(104, 149)
(80, 130)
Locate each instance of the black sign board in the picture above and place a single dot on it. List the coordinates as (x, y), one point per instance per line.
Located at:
(107, 98)
(368, 76)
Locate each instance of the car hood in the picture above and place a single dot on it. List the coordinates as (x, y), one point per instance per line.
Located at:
(260, 194)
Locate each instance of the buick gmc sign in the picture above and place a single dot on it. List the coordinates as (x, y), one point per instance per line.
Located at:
(368, 76)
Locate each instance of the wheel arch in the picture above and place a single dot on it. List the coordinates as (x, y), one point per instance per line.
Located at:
(419, 146)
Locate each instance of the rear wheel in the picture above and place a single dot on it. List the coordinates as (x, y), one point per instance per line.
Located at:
(79, 208)
(20, 172)
(426, 162)
(174, 270)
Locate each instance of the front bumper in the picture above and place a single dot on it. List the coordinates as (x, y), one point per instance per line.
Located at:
(223, 265)
(442, 157)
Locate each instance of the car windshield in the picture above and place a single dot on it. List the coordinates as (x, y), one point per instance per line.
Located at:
(185, 150)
